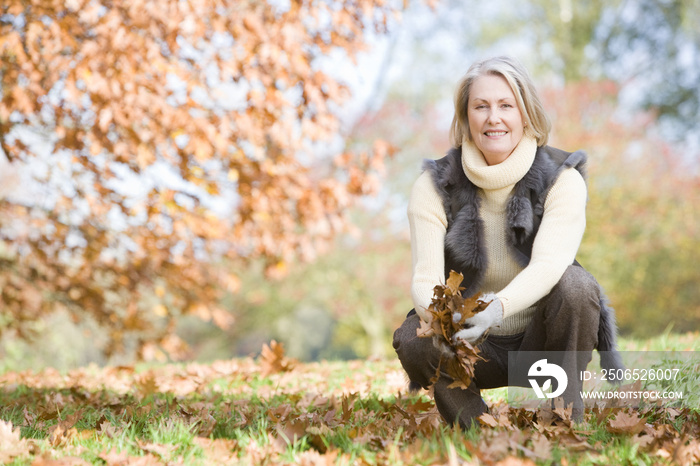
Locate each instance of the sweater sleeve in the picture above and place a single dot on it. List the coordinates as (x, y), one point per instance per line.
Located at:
(428, 225)
(555, 245)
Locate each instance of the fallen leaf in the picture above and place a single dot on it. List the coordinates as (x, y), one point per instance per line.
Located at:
(205, 422)
(59, 435)
(289, 432)
(45, 460)
(163, 451)
(490, 449)
(515, 461)
(541, 446)
(273, 360)
(644, 441)
(571, 441)
(488, 420)
(625, 423)
(11, 445)
(420, 405)
(564, 412)
(108, 429)
(146, 384)
(218, 451)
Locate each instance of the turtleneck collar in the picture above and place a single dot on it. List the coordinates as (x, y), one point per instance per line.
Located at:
(506, 173)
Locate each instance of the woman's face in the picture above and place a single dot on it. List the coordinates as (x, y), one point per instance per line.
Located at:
(495, 121)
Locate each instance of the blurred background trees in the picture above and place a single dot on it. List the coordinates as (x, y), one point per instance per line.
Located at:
(192, 185)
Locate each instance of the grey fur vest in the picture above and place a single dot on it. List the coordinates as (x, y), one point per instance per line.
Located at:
(464, 244)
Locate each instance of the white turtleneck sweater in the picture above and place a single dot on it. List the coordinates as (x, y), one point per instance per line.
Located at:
(555, 245)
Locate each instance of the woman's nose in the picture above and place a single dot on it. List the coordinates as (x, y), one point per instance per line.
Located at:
(494, 116)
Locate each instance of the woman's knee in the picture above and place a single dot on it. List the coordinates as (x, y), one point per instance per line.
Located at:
(404, 335)
(577, 291)
(571, 312)
(417, 355)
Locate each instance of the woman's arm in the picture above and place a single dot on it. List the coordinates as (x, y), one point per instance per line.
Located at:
(555, 246)
(428, 224)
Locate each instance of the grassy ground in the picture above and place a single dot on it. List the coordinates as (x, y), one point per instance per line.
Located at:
(274, 410)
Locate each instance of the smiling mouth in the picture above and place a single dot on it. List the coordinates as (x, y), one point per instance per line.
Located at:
(495, 133)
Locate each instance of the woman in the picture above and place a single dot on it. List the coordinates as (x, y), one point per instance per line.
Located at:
(508, 212)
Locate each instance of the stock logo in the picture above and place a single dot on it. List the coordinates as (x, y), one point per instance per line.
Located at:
(542, 368)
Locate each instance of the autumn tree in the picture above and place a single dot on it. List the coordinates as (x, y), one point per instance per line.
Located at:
(158, 142)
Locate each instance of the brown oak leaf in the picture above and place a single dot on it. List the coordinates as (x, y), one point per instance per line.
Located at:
(273, 360)
(625, 423)
(11, 445)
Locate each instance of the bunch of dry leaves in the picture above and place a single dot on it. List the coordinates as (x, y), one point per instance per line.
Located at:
(449, 310)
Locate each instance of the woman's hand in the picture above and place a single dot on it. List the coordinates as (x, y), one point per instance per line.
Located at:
(478, 324)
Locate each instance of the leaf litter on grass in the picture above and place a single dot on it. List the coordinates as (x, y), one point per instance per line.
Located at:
(277, 410)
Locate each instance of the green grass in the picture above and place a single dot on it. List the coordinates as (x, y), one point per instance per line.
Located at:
(351, 412)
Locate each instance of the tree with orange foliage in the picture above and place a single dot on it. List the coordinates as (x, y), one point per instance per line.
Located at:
(167, 140)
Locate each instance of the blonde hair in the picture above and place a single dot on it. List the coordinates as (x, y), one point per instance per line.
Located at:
(537, 123)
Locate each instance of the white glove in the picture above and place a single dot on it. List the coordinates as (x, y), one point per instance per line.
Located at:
(492, 316)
